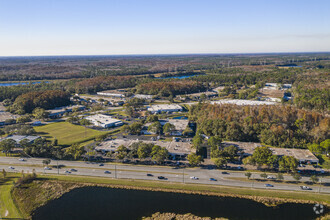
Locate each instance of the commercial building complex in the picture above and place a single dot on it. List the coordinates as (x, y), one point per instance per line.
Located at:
(104, 121)
(175, 149)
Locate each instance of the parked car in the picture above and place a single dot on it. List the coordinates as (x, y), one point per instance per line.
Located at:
(47, 168)
(149, 174)
(305, 188)
(212, 179)
(107, 172)
(269, 185)
(224, 172)
(194, 178)
(161, 177)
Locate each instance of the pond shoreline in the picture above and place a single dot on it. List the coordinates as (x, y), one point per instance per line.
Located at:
(55, 189)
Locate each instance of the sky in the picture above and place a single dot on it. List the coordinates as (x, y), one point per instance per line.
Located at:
(119, 27)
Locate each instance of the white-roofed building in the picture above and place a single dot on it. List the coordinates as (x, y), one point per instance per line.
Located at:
(242, 102)
(104, 121)
(142, 96)
(165, 108)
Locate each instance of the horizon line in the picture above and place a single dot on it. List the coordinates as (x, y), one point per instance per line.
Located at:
(164, 54)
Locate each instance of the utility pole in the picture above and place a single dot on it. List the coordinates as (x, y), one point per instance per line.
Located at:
(58, 171)
(183, 175)
(115, 171)
(320, 184)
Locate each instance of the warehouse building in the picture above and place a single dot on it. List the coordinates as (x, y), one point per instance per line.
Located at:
(104, 121)
(165, 108)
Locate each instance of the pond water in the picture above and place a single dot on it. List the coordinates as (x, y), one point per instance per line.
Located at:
(17, 83)
(108, 203)
(177, 77)
(181, 117)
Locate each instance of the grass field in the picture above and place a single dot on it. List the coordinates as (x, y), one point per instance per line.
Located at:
(7, 206)
(67, 133)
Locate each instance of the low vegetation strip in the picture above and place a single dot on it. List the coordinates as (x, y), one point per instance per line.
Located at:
(174, 216)
(67, 133)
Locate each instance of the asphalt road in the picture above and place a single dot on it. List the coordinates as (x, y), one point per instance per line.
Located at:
(140, 172)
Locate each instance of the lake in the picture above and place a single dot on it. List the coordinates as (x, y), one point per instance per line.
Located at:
(17, 83)
(109, 203)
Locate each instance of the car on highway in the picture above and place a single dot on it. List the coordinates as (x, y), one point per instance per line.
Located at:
(107, 172)
(47, 168)
(67, 172)
(21, 159)
(213, 179)
(194, 178)
(12, 168)
(101, 164)
(149, 174)
(224, 172)
(270, 177)
(161, 177)
(269, 185)
(73, 170)
(305, 188)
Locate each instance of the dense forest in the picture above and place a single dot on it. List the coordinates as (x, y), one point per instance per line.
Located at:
(167, 88)
(241, 75)
(280, 126)
(100, 83)
(68, 67)
(48, 99)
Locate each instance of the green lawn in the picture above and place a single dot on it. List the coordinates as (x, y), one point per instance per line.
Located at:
(67, 133)
(7, 207)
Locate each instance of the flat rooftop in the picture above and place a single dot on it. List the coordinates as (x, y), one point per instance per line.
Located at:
(64, 108)
(104, 119)
(18, 138)
(179, 148)
(165, 107)
(242, 102)
(179, 124)
(300, 154)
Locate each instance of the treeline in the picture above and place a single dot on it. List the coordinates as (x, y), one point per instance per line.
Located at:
(237, 76)
(100, 83)
(168, 88)
(280, 126)
(12, 92)
(312, 98)
(48, 99)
